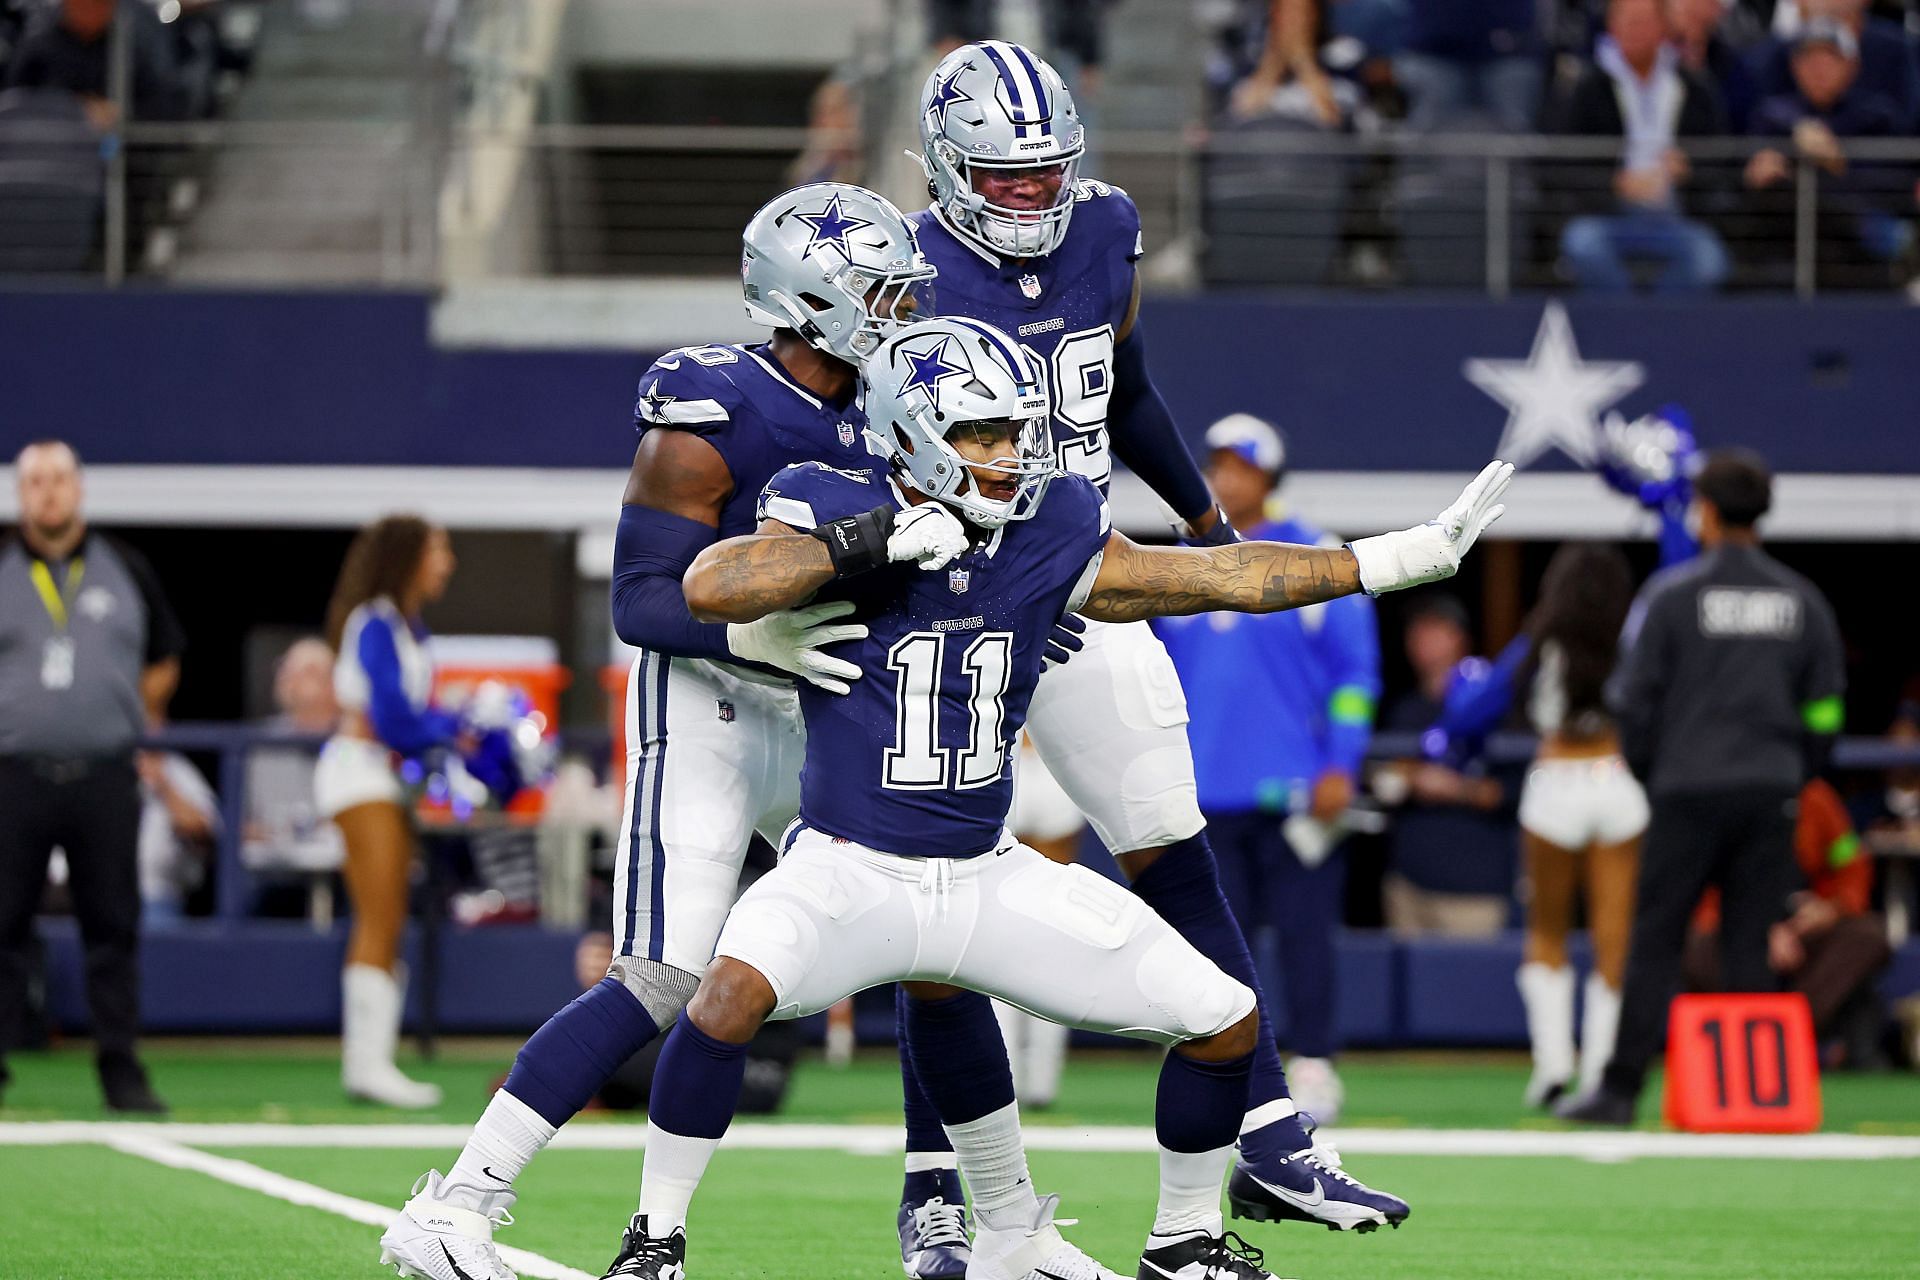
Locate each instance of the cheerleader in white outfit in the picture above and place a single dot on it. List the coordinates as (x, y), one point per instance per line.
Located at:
(383, 678)
(1581, 816)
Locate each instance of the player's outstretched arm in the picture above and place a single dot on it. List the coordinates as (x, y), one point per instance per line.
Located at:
(1136, 582)
(746, 578)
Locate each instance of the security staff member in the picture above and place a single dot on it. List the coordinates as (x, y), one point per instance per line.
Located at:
(89, 653)
(1728, 696)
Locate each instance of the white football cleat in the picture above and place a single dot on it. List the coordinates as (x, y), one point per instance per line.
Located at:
(440, 1240)
(1031, 1251)
(1316, 1089)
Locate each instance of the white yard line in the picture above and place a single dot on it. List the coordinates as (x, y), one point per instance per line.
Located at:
(151, 1145)
(886, 1140)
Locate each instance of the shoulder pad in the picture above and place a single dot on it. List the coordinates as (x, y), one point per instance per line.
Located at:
(691, 387)
(1111, 210)
(807, 495)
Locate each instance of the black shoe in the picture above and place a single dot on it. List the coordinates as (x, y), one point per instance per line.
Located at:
(1200, 1256)
(124, 1082)
(1599, 1107)
(650, 1257)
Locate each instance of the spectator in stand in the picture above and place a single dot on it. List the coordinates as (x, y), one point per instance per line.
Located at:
(284, 829)
(1863, 207)
(1887, 55)
(66, 48)
(1277, 801)
(1637, 91)
(1581, 815)
(1450, 854)
(1706, 51)
(1466, 65)
(179, 818)
(1831, 947)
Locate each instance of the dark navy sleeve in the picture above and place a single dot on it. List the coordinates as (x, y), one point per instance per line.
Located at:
(692, 390)
(399, 724)
(807, 495)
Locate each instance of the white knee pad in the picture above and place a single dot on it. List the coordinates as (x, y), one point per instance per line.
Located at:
(1201, 998)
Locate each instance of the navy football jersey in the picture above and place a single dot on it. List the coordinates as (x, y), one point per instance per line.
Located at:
(916, 759)
(1065, 308)
(739, 400)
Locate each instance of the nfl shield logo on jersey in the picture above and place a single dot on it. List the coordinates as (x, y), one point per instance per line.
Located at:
(1030, 285)
(957, 580)
(846, 435)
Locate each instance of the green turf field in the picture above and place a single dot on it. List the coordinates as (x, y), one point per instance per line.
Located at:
(85, 1209)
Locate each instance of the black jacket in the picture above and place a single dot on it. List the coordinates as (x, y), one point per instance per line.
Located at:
(1730, 676)
(1592, 110)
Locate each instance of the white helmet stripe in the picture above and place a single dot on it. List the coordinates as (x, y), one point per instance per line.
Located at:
(996, 342)
(1039, 88)
(1023, 116)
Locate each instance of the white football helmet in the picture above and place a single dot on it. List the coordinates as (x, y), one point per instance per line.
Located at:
(937, 378)
(995, 105)
(837, 264)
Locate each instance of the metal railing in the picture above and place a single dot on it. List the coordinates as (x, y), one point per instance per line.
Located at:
(231, 745)
(1258, 207)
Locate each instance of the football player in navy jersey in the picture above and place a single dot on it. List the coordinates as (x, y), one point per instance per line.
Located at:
(958, 559)
(1024, 243)
(713, 730)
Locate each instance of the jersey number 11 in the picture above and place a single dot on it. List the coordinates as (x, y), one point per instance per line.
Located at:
(916, 761)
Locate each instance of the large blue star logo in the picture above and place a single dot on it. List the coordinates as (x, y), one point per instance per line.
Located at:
(946, 93)
(831, 226)
(656, 401)
(928, 367)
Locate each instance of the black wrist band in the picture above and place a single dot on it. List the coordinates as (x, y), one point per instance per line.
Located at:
(857, 543)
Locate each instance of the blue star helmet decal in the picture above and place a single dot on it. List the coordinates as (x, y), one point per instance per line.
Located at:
(831, 226)
(947, 94)
(929, 367)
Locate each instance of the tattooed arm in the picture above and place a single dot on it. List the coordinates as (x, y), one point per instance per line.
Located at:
(1136, 582)
(775, 567)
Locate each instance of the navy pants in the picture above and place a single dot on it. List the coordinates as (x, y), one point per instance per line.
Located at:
(1274, 894)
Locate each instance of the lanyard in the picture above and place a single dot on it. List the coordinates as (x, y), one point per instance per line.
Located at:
(56, 601)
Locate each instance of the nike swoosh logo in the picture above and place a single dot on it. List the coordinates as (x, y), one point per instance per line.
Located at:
(1293, 1197)
(1170, 1275)
(457, 1269)
(488, 1170)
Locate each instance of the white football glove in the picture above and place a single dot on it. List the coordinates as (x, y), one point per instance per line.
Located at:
(791, 640)
(930, 535)
(1433, 551)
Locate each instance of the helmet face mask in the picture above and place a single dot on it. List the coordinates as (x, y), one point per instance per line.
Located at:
(837, 264)
(961, 414)
(989, 110)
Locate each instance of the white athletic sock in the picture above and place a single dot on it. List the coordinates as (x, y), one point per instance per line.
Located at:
(929, 1161)
(508, 1134)
(1547, 994)
(1599, 1024)
(993, 1160)
(671, 1174)
(1190, 1191)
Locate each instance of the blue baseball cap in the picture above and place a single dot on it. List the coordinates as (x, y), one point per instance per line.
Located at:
(1253, 440)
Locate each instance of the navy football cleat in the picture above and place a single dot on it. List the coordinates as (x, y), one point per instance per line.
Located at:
(933, 1227)
(1310, 1186)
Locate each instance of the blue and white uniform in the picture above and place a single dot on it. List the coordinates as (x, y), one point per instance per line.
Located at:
(713, 746)
(901, 866)
(385, 673)
(1111, 724)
